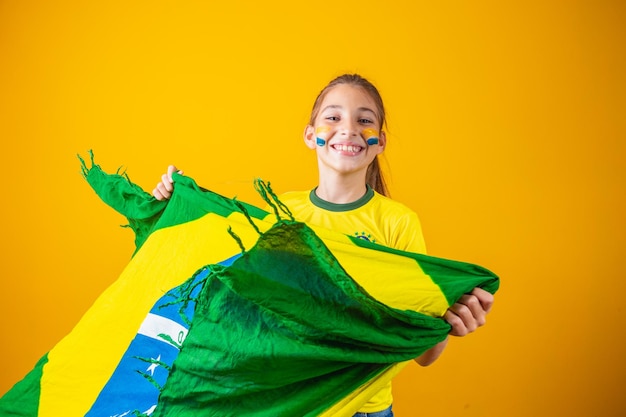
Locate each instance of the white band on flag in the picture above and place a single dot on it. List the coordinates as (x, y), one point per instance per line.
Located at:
(155, 327)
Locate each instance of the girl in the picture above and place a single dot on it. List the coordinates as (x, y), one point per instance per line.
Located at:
(346, 132)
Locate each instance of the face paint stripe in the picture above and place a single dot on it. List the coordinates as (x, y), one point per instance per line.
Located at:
(321, 133)
(371, 136)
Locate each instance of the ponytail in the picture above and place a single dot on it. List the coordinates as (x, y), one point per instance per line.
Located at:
(374, 178)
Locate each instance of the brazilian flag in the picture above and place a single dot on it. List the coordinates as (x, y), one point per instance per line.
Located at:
(226, 309)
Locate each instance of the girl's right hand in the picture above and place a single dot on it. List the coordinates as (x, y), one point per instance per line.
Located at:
(163, 190)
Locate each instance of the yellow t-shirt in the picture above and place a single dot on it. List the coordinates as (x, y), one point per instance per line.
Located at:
(373, 217)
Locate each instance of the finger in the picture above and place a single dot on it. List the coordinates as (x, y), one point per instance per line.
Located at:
(165, 193)
(465, 314)
(167, 183)
(475, 307)
(485, 298)
(170, 170)
(457, 324)
(157, 194)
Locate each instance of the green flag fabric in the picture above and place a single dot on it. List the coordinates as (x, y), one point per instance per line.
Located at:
(226, 309)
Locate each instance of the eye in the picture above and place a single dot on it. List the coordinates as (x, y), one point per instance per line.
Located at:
(332, 118)
(365, 121)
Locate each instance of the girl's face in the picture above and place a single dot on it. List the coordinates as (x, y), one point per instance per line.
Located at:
(347, 133)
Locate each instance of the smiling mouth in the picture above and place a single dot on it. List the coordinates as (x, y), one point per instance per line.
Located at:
(348, 148)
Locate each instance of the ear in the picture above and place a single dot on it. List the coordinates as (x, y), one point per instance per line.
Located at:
(382, 141)
(309, 136)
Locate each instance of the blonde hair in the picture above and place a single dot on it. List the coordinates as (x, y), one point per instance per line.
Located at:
(374, 176)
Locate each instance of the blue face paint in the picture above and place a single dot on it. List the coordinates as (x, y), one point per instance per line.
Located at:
(321, 131)
(371, 136)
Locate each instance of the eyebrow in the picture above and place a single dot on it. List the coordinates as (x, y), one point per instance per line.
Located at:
(336, 106)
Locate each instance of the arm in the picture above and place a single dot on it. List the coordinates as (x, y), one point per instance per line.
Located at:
(163, 190)
(465, 316)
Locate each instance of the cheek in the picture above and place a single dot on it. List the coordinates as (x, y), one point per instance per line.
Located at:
(321, 135)
(371, 136)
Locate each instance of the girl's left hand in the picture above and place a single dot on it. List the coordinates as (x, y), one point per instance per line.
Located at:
(465, 316)
(469, 313)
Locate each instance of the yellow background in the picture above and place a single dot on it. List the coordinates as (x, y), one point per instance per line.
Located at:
(507, 136)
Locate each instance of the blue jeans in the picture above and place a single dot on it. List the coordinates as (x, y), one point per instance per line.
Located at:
(384, 413)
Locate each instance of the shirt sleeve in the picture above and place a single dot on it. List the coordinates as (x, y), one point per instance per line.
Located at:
(408, 234)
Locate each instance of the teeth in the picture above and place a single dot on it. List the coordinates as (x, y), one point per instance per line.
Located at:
(348, 148)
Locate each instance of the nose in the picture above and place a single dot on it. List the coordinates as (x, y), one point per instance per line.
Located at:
(349, 128)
